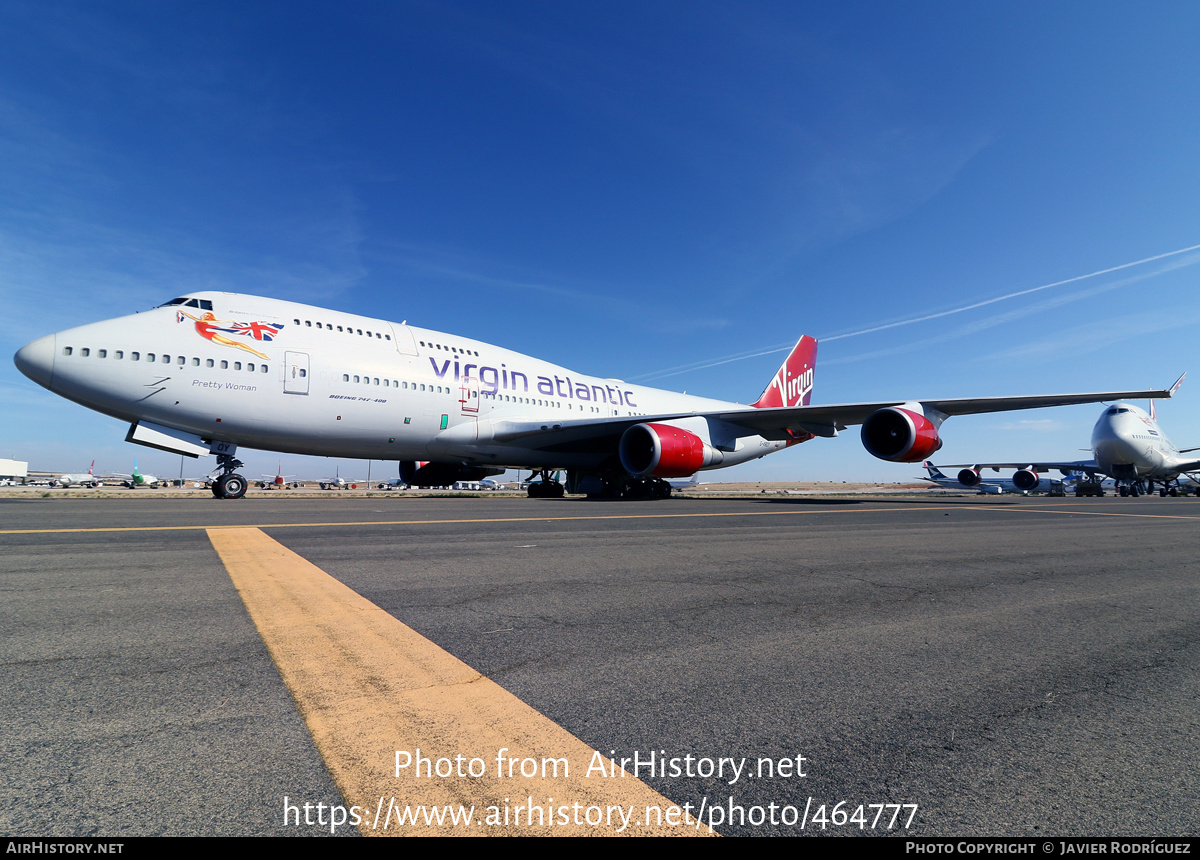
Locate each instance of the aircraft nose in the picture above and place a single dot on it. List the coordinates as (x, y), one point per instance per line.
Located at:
(36, 360)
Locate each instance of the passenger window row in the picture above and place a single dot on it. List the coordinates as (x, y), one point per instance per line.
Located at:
(347, 329)
(359, 379)
(179, 360)
(454, 349)
(394, 383)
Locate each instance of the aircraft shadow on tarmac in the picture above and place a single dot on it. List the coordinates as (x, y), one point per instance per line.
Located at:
(817, 501)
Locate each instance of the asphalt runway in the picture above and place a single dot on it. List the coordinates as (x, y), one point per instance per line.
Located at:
(1013, 667)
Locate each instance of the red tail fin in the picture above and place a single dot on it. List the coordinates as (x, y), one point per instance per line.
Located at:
(793, 382)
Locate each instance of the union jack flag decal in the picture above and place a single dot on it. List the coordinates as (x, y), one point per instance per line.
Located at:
(257, 330)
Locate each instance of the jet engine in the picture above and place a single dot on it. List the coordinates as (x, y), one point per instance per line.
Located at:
(969, 477)
(442, 474)
(664, 451)
(900, 435)
(1025, 479)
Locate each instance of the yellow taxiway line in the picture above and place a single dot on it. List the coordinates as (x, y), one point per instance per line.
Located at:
(464, 520)
(609, 517)
(381, 701)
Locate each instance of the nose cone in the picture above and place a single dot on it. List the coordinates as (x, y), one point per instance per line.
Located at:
(36, 360)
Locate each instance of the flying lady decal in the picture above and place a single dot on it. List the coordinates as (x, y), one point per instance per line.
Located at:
(211, 328)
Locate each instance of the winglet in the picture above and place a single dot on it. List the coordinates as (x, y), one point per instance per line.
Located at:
(1170, 393)
(793, 383)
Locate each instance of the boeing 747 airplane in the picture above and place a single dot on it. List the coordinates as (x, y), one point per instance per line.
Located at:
(208, 372)
(970, 479)
(1127, 446)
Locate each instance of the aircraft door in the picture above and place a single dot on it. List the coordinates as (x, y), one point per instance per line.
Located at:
(402, 336)
(295, 373)
(468, 395)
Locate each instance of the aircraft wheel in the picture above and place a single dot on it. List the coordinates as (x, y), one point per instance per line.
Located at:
(635, 489)
(230, 487)
(216, 489)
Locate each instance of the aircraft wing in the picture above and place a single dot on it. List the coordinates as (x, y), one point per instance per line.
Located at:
(786, 422)
(1089, 467)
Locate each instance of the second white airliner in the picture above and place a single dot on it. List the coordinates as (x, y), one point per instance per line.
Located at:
(1127, 446)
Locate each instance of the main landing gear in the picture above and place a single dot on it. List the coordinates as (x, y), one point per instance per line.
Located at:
(594, 486)
(546, 488)
(229, 485)
(1173, 488)
(646, 488)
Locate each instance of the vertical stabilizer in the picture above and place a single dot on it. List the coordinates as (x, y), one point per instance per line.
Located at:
(793, 382)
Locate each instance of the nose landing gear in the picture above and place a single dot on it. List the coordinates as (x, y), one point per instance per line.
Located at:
(229, 485)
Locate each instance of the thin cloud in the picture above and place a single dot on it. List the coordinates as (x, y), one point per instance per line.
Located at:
(769, 350)
(974, 328)
(1015, 295)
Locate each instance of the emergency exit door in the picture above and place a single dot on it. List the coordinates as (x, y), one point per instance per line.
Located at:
(295, 373)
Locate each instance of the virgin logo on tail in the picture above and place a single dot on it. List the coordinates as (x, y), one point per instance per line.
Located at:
(793, 382)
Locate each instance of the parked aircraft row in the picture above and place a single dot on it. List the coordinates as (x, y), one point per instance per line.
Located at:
(1128, 446)
(210, 372)
(91, 480)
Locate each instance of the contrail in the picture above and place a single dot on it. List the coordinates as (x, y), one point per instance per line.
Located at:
(701, 365)
(1017, 294)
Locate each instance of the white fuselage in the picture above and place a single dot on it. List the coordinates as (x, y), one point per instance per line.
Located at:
(81, 480)
(1128, 444)
(277, 375)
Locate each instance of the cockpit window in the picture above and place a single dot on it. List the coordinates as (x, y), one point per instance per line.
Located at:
(202, 304)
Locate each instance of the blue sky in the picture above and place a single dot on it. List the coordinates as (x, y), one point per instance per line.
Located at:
(627, 189)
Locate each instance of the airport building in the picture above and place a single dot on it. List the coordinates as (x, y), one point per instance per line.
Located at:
(14, 470)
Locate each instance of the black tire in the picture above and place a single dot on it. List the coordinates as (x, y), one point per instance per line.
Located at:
(231, 487)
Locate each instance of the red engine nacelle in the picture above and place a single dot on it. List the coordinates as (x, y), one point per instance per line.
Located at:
(969, 477)
(900, 435)
(664, 451)
(1025, 479)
